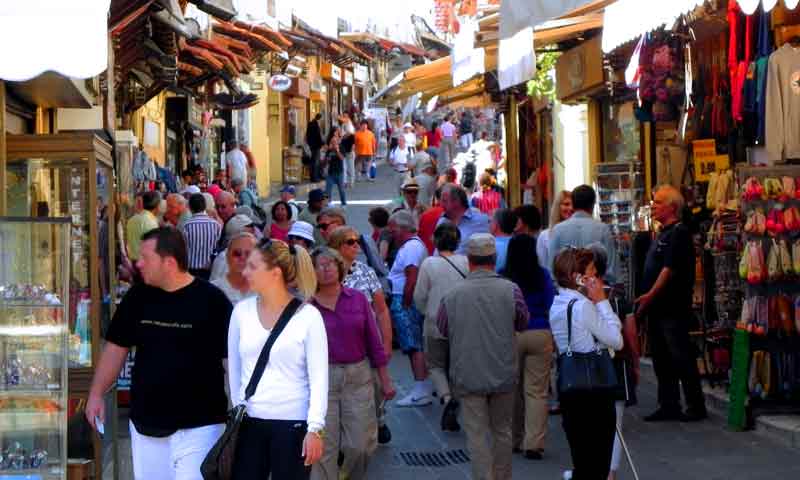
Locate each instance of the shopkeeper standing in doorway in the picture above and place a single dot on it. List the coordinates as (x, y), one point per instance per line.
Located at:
(669, 274)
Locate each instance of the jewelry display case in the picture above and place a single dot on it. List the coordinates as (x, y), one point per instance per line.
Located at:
(70, 175)
(34, 300)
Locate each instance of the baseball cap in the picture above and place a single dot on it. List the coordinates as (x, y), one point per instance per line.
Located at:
(303, 230)
(289, 189)
(316, 195)
(192, 189)
(481, 245)
(237, 224)
(408, 125)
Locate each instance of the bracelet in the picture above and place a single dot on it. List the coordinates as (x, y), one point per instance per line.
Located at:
(319, 433)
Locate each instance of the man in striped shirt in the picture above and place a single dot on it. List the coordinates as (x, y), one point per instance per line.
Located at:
(202, 234)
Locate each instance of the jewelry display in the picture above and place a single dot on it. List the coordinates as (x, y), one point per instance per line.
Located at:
(17, 458)
(28, 293)
(15, 373)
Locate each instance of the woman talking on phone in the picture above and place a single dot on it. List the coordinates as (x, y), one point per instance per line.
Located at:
(589, 417)
(282, 434)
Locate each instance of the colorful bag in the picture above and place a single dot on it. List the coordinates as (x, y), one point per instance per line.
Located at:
(789, 189)
(791, 219)
(775, 223)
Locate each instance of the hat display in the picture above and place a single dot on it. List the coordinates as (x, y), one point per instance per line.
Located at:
(303, 230)
(289, 189)
(481, 245)
(237, 224)
(316, 195)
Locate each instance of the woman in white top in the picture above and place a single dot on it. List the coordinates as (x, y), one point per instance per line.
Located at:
(589, 419)
(560, 211)
(234, 285)
(282, 433)
(437, 276)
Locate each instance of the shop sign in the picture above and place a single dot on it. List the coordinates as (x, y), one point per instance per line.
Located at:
(280, 83)
(331, 72)
(706, 160)
(299, 88)
(348, 77)
(361, 74)
(579, 71)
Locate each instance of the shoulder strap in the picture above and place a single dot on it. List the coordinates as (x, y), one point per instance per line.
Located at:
(463, 275)
(569, 324)
(263, 358)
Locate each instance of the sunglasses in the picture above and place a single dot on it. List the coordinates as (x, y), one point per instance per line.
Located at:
(351, 241)
(323, 226)
(240, 253)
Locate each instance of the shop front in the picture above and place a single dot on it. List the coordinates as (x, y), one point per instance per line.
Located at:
(331, 75)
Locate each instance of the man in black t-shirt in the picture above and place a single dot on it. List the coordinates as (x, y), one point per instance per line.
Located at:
(179, 326)
(669, 273)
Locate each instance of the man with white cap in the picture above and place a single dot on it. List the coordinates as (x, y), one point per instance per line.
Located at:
(479, 317)
(399, 160)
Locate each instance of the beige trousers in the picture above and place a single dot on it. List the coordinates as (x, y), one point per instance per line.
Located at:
(350, 424)
(535, 351)
(436, 350)
(487, 423)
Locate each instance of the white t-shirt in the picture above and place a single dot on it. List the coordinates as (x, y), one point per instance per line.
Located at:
(411, 254)
(295, 383)
(237, 162)
(411, 139)
(400, 159)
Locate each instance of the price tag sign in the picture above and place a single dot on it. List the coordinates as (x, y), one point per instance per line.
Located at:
(706, 160)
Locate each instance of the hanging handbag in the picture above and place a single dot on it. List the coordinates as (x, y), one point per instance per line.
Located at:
(585, 372)
(218, 464)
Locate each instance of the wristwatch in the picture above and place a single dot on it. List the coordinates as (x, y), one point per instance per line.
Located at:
(320, 432)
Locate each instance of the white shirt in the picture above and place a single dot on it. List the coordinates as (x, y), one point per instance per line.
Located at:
(233, 294)
(542, 244)
(399, 159)
(411, 139)
(588, 320)
(237, 162)
(448, 130)
(411, 254)
(295, 383)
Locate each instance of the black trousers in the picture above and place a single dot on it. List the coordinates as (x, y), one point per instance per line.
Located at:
(674, 361)
(270, 447)
(316, 174)
(589, 420)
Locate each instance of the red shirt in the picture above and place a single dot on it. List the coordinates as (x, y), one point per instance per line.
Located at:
(427, 224)
(434, 138)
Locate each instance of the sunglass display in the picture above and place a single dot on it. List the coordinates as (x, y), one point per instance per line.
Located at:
(28, 293)
(17, 458)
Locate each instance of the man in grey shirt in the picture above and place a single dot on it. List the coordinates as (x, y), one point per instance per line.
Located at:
(581, 229)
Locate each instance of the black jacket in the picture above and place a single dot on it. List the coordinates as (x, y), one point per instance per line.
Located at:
(314, 135)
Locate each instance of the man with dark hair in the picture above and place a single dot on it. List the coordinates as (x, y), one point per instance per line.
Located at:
(458, 212)
(315, 142)
(179, 327)
(315, 204)
(529, 220)
(504, 221)
(142, 223)
(581, 229)
(202, 234)
(479, 317)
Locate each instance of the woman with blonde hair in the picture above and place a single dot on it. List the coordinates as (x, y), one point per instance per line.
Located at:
(283, 430)
(560, 211)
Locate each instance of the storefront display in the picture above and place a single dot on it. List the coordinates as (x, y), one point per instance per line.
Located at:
(34, 301)
(70, 176)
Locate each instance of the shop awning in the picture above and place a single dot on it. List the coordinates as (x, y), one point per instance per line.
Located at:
(63, 36)
(628, 19)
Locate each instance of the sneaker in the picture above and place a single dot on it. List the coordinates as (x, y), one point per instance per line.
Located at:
(450, 417)
(384, 434)
(415, 399)
(662, 415)
(567, 475)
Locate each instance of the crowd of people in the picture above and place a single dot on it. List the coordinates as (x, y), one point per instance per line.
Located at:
(477, 296)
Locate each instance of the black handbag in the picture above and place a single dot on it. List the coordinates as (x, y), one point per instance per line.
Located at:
(591, 372)
(218, 464)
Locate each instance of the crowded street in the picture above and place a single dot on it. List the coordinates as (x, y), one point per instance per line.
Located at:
(419, 240)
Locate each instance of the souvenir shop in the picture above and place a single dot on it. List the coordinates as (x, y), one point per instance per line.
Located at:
(707, 104)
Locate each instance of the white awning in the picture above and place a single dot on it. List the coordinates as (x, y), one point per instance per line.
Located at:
(627, 19)
(69, 37)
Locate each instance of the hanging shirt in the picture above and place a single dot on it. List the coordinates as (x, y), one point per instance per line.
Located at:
(783, 104)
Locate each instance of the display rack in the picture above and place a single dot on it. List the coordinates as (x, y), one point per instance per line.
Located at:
(34, 299)
(71, 175)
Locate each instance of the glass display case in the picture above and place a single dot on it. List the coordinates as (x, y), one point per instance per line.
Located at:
(70, 175)
(34, 347)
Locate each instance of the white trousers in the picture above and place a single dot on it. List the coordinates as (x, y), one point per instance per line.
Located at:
(617, 453)
(350, 173)
(177, 457)
(466, 141)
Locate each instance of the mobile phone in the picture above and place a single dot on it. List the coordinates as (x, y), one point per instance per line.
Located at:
(101, 429)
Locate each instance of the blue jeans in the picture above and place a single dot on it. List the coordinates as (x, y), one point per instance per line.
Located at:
(335, 179)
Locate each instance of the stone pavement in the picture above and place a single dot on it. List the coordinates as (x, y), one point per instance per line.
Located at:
(703, 450)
